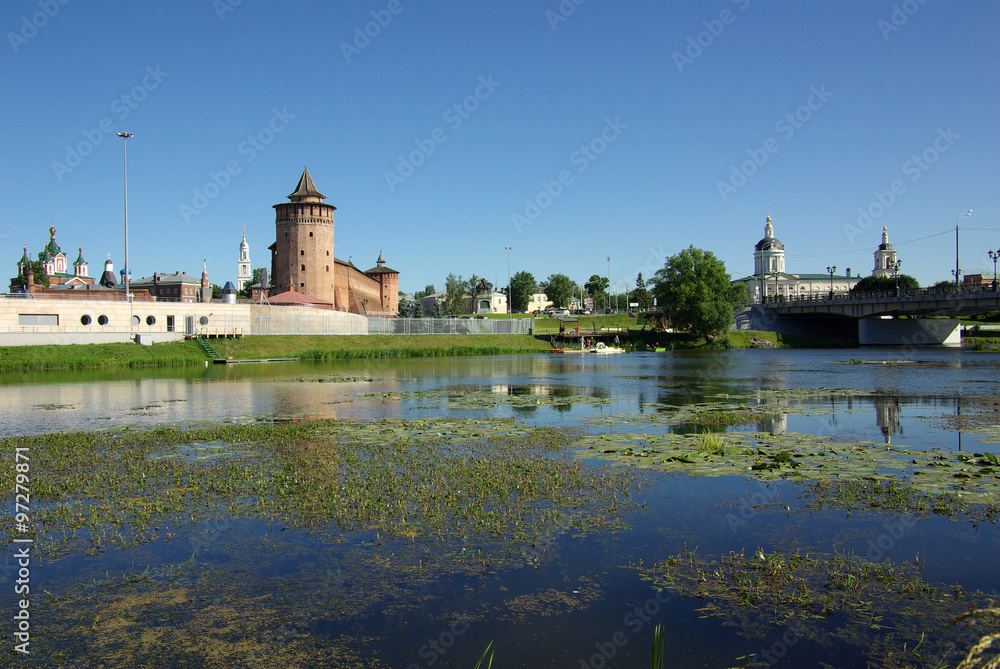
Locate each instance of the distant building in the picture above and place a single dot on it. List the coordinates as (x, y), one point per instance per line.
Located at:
(56, 264)
(885, 257)
(176, 287)
(770, 280)
(538, 302)
(302, 258)
(493, 302)
(244, 274)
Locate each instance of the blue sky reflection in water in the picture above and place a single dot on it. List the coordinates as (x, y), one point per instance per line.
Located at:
(568, 596)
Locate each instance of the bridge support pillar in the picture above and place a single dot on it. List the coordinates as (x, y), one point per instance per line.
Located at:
(909, 332)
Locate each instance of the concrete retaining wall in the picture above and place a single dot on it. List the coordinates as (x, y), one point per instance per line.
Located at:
(99, 321)
(909, 332)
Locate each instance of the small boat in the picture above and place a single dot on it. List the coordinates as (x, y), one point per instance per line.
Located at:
(603, 348)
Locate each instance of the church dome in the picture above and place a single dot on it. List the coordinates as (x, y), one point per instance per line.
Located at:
(770, 242)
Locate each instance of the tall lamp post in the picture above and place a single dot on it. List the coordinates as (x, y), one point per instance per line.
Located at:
(993, 256)
(831, 271)
(609, 284)
(895, 270)
(128, 296)
(957, 271)
(510, 305)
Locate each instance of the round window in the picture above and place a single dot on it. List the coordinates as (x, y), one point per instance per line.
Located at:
(135, 320)
(85, 319)
(102, 320)
(203, 320)
(150, 320)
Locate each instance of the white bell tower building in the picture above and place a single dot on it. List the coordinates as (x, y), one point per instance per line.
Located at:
(245, 275)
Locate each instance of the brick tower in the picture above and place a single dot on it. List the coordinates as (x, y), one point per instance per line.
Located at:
(303, 250)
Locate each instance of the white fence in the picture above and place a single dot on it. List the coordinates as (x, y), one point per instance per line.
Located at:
(422, 326)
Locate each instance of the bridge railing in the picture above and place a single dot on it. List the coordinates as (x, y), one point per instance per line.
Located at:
(876, 295)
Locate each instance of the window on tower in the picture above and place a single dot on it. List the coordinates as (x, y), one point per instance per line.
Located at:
(303, 268)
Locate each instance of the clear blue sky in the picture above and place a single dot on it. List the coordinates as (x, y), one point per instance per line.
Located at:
(666, 121)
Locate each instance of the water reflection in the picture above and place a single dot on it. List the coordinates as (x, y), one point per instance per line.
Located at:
(799, 391)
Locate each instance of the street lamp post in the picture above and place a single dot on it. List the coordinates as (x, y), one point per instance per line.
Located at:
(993, 256)
(608, 299)
(831, 271)
(957, 271)
(128, 296)
(510, 305)
(895, 269)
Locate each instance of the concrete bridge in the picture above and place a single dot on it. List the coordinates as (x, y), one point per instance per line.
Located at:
(905, 319)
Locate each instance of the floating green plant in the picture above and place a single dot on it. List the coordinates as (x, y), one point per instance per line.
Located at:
(882, 606)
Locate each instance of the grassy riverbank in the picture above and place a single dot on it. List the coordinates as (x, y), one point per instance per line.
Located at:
(375, 346)
(23, 358)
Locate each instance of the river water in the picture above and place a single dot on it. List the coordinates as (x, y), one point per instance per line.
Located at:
(892, 396)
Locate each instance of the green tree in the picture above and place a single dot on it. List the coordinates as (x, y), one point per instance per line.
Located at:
(408, 308)
(36, 268)
(597, 288)
(522, 285)
(693, 289)
(216, 292)
(641, 293)
(428, 290)
(438, 310)
(885, 284)
(559, 289)
(454, 297)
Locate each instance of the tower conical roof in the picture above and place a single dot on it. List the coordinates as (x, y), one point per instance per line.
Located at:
(306, 189)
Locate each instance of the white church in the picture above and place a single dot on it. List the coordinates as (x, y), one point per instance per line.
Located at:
(770, 279)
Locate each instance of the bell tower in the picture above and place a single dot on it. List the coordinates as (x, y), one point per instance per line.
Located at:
(244, 275)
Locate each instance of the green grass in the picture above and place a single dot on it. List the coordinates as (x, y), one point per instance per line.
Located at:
(318, 347)
(313, 347)
(81, 356)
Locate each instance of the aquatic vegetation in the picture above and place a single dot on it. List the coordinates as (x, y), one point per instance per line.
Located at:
(881, 606)
(802, 457)
(900, 497)
(986, 653)
(407, 501)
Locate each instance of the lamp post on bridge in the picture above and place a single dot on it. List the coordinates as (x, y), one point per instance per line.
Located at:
(957, 270)
(895, 269)
(831, 271)
(993, 256)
